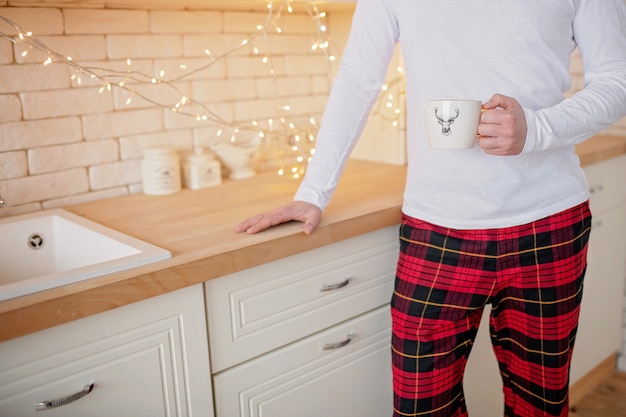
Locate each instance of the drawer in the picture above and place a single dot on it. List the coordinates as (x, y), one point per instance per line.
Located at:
(308, 379)
(263, 308)
(607, 183)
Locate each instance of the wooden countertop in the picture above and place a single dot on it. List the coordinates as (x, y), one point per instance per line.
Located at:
(196, 226)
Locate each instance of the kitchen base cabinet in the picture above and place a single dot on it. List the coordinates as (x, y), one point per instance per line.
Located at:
(144, 359)
(600, 326)
(601, 317)
(342, 371)
(308, 335)
(260, 309)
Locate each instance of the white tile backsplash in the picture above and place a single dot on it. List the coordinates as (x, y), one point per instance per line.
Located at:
(33, 77)
(99, 21)
(39, 133)
(63, 140)
(40, 20)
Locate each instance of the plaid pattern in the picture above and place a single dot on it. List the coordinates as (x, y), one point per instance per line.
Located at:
(531, 274)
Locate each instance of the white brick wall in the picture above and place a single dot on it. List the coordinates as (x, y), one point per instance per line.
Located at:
(51, 124)
(98, 21)
(64, 142)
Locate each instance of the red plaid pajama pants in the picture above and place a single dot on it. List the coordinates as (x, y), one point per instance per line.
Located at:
(532, 275)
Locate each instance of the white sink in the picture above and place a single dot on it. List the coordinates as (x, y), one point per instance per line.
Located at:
(51, 248)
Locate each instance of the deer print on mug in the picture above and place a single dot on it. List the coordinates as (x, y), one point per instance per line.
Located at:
(452, 124)
(446, 124)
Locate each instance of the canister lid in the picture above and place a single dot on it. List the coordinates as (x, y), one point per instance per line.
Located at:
(199, 156)
(159, 152)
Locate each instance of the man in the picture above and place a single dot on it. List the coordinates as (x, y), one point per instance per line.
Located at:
(505, 223)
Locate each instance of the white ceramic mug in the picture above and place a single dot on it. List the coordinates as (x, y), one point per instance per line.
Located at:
(452, 124)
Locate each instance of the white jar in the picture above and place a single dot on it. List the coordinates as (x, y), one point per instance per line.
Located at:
(160, 170)
(201, 170)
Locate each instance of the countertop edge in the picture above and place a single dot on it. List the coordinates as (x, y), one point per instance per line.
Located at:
(24, 315)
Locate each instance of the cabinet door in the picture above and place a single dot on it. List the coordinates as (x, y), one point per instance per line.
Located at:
(600, 327)
(145, 359)
(342, 371)
(606, 184)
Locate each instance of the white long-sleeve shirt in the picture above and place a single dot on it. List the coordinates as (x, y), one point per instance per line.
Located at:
(460, 49)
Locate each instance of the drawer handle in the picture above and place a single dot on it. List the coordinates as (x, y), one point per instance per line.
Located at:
(332, 287)
(596, 189)
(47, 405)
(333, 346)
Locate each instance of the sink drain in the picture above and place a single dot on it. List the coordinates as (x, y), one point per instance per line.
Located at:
(36, 241)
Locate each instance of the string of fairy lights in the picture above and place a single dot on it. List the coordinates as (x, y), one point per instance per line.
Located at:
(295, 140)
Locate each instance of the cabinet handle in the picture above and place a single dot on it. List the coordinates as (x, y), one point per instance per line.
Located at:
(333, 346)
(47, 405)
(332, 287)
(596, 189)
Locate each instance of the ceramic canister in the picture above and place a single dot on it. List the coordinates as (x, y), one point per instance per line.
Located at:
(160, 171)
(201, 170)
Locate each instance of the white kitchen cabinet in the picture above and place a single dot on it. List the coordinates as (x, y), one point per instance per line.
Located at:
(144, 359)
(308, 335)
(600, 327)
(308, 378)
(263, 308)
